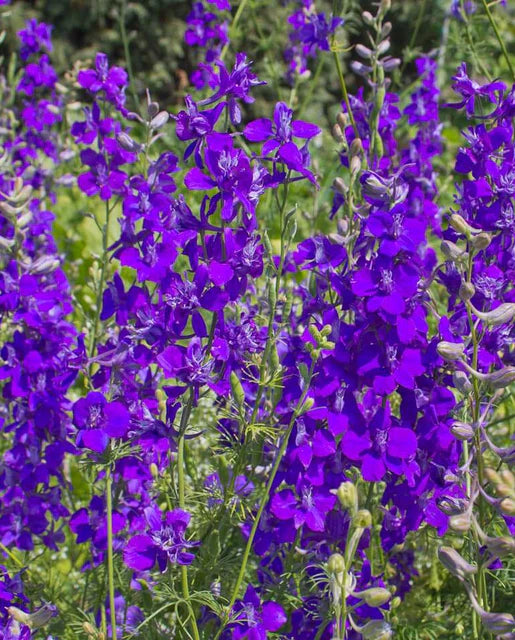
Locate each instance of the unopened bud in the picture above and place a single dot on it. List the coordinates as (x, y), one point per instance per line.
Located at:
(355, 165)
(338, 134)
(501, 546)
(396, 602)
(480, 241)
(342, 120)
(18, 615)
(460, 523)
(502, 378)
(160, 120)
(362, 519)
(459, 224)
(491, 475)
(154, 470)
(336, 564)
(376, 630)
(452, 252)
(507, 506)
(462, 431)
(497, 622)
(89, 629)
(340, 186)
(237, 390)
(454, 563)
(374, 597)
(152, 109)
(508, 477)
(467, 291)
(450, 351)
(461, 382)
(385, 6)
(368, 18)
(504, 490)
(386, 29)
(364, 52)
(347, 495)
(127, 143)
(383, 47)
(502, 314)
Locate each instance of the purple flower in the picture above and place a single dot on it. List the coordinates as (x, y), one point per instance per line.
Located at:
(310, 507)
(255, 618)
(231, 174)
(98, 420)
(34, 37)
(102, 178)
(111, 80)
(36, 75)
(163, 541)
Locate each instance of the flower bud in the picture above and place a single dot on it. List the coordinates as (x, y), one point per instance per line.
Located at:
(362, 519)
(376, 630)
(502, 378)
(89, 629)
(347, 495)
(459, 224)
(396, 602)
(237, 390)
(467, 291)
(336, 564)
(480, 241)
(18, 615)
(364, 52)
(452, 252)
(497, 622)
(502, 314)
(342, 120)
(386, 29)
(460, 523)
(383, 47)
(504, 490)
(491, 475)
(450, 351)
(461, 382)
(154, 470)
(508, 477)
(160, 120)
(355, 165)
(127, 143)
(338, 134)
(368, 18)
(374, 597)
(340, 186)
(507, 506)
(501, 546)
(462, 431)
(451, 506)
(454, 563)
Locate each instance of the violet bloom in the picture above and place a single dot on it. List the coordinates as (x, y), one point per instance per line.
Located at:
(163, 541)
(254, 618)
(309, 508)
(91, 523)
(221, 5)
(231, 174)
(471, 90)
(86, 132)
(34, 37)
(36, 75)
(111, 80)
(235, 85)
(101, 178)
(195, 125)
(98, 420)
(380, 447)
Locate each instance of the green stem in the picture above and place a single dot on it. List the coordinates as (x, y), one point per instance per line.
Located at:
(182, 501)
(344, 92)
(110, 565)
(499, 38)
(101, 284)
(233, 26)
(125, 41)
(265, 499)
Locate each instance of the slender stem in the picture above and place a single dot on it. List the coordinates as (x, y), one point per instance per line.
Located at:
(233, 26)
(127, 54)
(101, 284)
(344, 92)
(182, 501)
(265, 499)
(499, 38)
(110, 565)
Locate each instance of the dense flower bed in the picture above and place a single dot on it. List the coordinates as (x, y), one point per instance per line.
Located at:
(217, 421)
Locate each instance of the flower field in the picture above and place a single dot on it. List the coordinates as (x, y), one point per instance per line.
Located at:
(257, 302)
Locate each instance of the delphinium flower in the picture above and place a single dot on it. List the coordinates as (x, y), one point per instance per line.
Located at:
(35, 36)
(478, 248)
(254, 618)
(310, 33)
(206, 30)
(40, 350)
